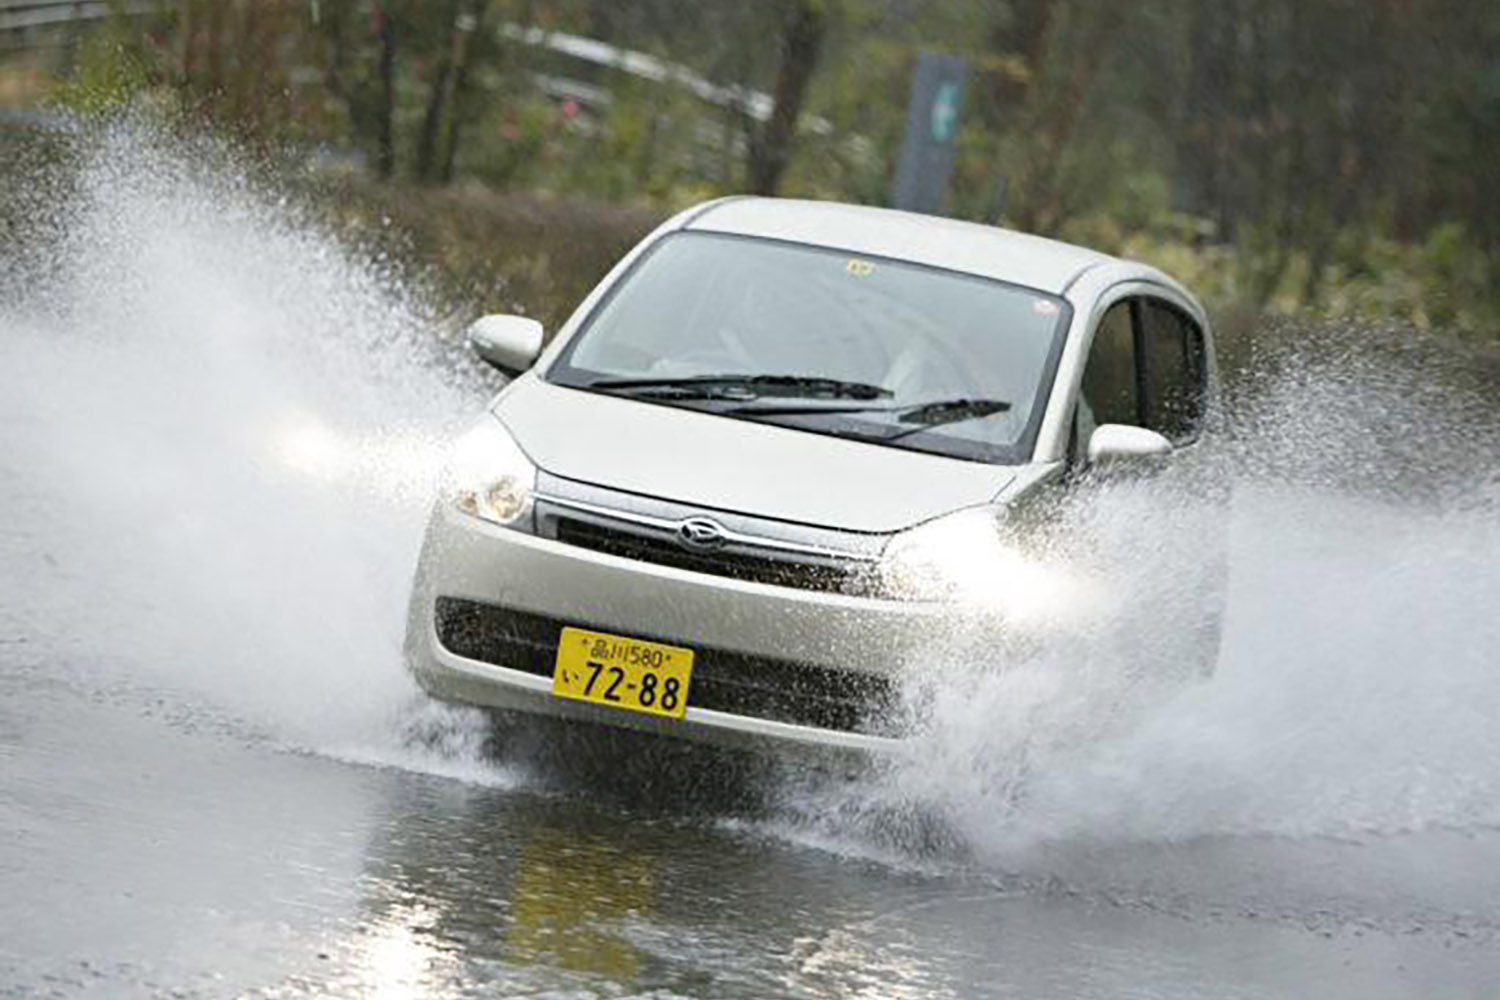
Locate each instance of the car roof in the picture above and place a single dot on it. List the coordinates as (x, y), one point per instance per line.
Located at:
(987, 251)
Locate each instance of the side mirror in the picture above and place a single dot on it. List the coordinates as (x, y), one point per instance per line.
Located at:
(1121, 443)
(510, 343)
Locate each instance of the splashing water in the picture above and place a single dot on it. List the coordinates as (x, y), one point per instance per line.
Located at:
(219, 429)
(218, 432)
(1357, 692)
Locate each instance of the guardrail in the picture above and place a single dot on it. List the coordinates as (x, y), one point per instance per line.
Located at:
(26, 15)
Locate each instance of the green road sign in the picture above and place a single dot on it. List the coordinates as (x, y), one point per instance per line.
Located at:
(937, 95)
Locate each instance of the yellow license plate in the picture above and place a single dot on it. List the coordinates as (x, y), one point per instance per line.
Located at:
(623, 673)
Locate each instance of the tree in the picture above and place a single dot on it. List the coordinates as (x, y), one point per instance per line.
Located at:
(800, 42)
(385, 112)
(437, 144)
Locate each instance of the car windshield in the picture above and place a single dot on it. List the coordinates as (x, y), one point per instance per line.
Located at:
(826, 341)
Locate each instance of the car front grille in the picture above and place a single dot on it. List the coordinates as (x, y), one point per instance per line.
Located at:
(781, 572)
(758, 549)
(723, 680)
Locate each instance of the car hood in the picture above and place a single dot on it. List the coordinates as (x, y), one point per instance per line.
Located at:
(737, 465)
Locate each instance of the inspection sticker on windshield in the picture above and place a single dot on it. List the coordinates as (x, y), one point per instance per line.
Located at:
(620, 672)
(1044, 307)
(859, 268)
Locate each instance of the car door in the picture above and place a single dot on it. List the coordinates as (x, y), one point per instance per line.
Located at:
(1148, 367)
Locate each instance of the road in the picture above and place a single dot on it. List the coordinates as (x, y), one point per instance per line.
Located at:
(153, 849)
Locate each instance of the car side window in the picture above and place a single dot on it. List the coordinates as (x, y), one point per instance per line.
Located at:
(1146, 368)
(1109, 391)
(1172, 370)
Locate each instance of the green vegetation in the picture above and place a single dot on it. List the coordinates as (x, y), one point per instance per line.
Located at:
(1282, 156)
(487, 250)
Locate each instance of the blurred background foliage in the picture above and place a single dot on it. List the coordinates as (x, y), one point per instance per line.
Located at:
(1333, 157)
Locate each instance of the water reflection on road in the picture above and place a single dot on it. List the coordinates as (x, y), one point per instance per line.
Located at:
(523, 893)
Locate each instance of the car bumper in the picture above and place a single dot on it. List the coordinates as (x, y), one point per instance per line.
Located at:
(467, 560)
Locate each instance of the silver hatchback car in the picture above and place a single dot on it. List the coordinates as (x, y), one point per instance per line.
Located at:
(771, 456)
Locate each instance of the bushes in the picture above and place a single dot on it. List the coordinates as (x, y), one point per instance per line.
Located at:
(1441, 284)
(488, 251)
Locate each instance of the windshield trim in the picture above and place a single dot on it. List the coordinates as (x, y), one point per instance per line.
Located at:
(562, 373)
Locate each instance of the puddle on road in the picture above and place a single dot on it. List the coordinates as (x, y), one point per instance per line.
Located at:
(219, 429)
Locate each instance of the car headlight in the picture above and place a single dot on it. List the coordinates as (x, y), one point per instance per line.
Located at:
(488, 476)
(966, 557)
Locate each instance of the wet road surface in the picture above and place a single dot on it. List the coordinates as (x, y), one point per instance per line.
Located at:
(153, 849)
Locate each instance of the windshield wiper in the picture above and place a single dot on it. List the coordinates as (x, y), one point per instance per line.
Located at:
(942, 411)
(745, 387)
(947, 411)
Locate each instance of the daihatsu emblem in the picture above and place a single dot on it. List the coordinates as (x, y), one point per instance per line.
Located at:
(700, 533)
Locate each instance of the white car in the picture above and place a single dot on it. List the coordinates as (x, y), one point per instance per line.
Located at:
(770, 458)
